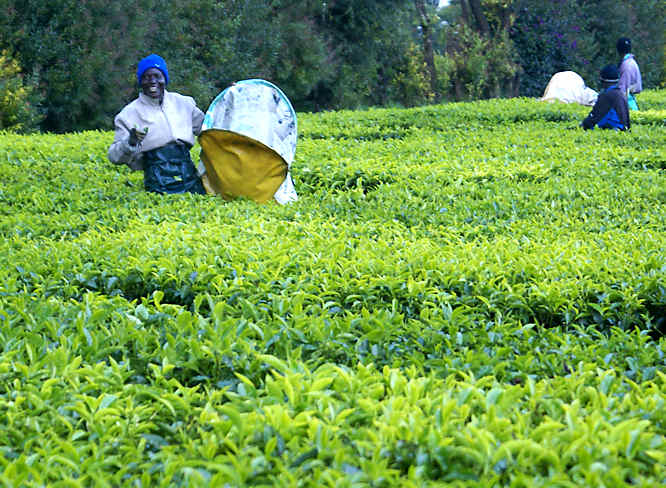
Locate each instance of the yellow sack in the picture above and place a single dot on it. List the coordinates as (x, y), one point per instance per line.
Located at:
(237, 165)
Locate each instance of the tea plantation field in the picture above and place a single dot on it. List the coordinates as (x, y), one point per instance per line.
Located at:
(468, 294)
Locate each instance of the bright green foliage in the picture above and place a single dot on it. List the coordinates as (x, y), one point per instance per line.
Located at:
(471, 294)
(18, 98)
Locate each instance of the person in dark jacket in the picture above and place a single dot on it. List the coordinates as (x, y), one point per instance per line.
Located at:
(610, 110)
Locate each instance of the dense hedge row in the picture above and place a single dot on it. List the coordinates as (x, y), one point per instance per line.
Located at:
(472, 293)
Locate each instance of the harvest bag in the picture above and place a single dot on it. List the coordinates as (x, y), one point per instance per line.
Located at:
(569, 87)
(631, 101)
(248, 142)
(169, 169)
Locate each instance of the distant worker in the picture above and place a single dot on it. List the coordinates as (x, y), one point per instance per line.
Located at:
(630, 75)
(155, 132)
(610, 110)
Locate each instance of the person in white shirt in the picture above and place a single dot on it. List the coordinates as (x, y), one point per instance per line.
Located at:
(156, 131)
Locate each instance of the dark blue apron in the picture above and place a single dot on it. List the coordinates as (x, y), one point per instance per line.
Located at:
(169, 169)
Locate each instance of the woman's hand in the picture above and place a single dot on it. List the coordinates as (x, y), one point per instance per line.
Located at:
(137, 136)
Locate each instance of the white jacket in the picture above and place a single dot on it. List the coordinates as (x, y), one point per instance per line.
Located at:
(177, 119)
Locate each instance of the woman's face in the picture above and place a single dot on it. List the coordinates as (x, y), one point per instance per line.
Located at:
(152, 83)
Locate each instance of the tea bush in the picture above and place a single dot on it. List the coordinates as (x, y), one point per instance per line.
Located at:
(471, 293)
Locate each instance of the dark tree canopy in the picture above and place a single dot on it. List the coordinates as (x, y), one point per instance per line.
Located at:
(80, 57)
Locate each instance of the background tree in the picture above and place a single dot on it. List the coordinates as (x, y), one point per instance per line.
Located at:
(323, 55)
(79, 51)
(19, 100)
(513, 47)
(367, 41)
(477, 42)
(558, 35)
(426, 19)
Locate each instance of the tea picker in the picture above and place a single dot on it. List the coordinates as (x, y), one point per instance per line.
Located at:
(630, 82)
(611, 110)
(156, 131)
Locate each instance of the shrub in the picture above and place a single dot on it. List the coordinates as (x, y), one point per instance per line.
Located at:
(410, 84)
(482, 67)
(466, 294)
(19, 98)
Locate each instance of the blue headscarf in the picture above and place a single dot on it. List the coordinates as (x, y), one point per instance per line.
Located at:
(152, 61)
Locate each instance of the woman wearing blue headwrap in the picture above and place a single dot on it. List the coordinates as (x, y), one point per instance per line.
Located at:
(155, 132)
